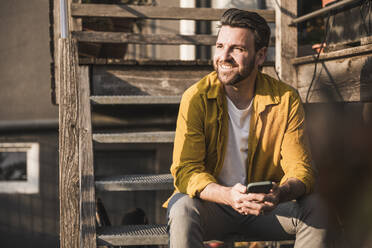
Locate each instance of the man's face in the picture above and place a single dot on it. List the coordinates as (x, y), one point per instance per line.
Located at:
(235, 57)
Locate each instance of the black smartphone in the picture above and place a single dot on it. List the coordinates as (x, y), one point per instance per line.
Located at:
(260, 187)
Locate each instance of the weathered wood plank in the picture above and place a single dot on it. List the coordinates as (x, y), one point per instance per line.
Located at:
(339, 80)
(158, 80)
(149, 12)
(140, 137)
(149, 62)
(145, 39)
(111, 100)
(286, 40)
(87, 185)
(68, 145)
(169, 80)
(146, 80)
(75, 24)
(160, 39)
(144, 62)
(349, 52)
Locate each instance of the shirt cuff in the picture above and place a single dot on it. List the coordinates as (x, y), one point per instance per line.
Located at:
(304, 176)
(198, 182)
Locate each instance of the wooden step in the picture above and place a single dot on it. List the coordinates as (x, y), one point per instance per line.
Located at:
(145, 62)
(151, 12)
(135, 182)
(145, 39)
(152, 62)
(157, 79)
(133, 235)
(156, 235)
(140, 137)
(113, 100)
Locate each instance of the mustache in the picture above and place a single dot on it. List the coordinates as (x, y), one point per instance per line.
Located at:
(231, 62)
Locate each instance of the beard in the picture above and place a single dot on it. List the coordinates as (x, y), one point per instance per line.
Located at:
(233, 77)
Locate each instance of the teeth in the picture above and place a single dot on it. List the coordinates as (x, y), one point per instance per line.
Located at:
(226, 66)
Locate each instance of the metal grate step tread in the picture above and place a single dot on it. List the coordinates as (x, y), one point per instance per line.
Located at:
(135, 182)
(137, 137)
(112, 100)
(155, 235)
(133, 235)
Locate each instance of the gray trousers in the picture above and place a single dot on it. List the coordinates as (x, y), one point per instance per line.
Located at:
(192, 221)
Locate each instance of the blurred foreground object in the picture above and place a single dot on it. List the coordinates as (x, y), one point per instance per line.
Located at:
(341, 137)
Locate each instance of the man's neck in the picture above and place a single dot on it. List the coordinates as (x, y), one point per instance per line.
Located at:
(241, 94)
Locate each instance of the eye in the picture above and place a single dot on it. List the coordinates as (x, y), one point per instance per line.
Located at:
(239, 49)
(219, 45)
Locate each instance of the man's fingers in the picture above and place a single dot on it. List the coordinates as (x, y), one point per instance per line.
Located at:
(253, 206)
(256, 197)
(274, 188)
(246, 211)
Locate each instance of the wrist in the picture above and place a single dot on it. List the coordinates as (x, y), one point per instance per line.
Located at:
(227, 195)
(214, 192)
(283, 192)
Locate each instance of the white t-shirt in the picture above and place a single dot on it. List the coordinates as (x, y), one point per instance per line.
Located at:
(234, 167)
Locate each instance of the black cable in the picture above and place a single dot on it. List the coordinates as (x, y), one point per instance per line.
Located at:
(366, 28)
(370, 15)
(317, 57)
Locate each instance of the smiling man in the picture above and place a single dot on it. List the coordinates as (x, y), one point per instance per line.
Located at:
(237, 126)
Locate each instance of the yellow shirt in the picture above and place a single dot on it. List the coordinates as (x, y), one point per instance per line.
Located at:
(277, 146)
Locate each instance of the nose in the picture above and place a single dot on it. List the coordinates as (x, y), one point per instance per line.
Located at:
(224, 54)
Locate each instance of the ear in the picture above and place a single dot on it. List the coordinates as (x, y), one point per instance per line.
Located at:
(261, 56)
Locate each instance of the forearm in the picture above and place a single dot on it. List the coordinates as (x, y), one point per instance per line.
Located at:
(291, 190)
(216, 193)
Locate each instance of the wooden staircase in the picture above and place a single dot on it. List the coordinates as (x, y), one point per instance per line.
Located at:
(88, 87)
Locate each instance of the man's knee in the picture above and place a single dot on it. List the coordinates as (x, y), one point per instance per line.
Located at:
(183, 208)
(313, 211)
(184, 226)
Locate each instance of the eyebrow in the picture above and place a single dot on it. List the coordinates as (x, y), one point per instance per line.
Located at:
(234, 45)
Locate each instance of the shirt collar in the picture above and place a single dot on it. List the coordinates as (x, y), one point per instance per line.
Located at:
(266, 92)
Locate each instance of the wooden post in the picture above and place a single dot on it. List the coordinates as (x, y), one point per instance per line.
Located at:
(87, 186)
(285, 40)
(76, 181)
(75, 24)
(68, 144)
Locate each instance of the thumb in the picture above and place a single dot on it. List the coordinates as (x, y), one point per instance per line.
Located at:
(240, 187)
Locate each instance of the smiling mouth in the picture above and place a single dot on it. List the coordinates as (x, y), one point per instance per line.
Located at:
(226, 66)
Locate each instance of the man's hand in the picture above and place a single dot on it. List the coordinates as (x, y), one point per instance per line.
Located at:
(236, 197)
(246, 203)
(253, 203)
(272, 199)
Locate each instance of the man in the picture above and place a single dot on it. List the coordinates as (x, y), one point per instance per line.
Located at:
(237, 126)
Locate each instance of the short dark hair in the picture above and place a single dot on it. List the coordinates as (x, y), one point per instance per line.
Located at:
(246, 19)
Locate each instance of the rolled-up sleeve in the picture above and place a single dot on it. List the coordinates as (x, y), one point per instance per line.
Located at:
(188, 167)
(295, 152)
